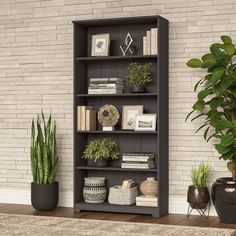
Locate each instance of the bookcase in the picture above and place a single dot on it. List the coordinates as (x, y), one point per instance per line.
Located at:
(154, 101)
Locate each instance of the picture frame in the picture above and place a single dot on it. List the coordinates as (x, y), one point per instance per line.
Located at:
(100, 45)
(129, 113)
(145, 122)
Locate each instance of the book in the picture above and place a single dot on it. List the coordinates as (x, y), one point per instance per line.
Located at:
(153, 41)
(106, 86)
(143, 198)
(83, 116)
(90, 118)
(138, 154)
(104, 91)
(106, 79)
(147, 204)
(144, 45)
(148, 42)
(136, 158)
(136, 166)
(78, 118)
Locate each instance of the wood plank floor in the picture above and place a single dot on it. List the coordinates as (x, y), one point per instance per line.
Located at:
(173, 219)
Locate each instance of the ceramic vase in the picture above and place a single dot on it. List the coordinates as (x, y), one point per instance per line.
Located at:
(149, 187)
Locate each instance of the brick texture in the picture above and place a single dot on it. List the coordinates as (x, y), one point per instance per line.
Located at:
(36, 72)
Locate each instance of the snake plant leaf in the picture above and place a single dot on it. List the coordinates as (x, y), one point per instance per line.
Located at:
(194, 63)
(226, 39)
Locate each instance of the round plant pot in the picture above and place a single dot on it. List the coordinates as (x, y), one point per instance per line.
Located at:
(44, 197)
(98, 163)
(224, 199)
(198, 197)
(140, 89)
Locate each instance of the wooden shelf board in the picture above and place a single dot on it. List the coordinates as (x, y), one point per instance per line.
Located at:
(106, 207)
(110, 168)
(117, 58)
(116, 132)
(117, 95)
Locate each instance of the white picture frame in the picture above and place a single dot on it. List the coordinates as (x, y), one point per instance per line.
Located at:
(145, 122)
(100, 45)
(129, 113)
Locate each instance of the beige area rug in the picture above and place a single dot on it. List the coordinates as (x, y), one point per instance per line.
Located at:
(39, 225)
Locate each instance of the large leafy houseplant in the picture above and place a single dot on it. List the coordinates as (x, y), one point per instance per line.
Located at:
(100, 149)
(216, 101)
(43, 151)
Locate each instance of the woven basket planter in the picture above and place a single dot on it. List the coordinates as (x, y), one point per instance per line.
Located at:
(119, 196)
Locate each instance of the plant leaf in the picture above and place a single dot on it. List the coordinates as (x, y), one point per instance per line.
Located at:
(227, 140)
(199, 105)
(226, 39)
(217, 74)
(194, 63)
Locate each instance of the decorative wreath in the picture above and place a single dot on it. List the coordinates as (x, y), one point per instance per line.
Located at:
(108, 115)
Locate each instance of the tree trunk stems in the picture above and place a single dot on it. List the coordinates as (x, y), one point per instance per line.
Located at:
(234, 169)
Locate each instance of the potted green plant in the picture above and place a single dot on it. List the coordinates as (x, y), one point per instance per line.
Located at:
(99, 151)
(198, 194)
(216, 106)
(44, 164)
(138, 76)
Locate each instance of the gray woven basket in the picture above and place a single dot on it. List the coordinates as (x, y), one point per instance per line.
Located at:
(119, 196)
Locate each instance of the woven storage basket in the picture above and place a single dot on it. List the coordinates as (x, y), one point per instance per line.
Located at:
(119, 196)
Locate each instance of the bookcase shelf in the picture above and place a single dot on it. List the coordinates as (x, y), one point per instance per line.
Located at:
(154, 101)
(114, 169)
(117, 58)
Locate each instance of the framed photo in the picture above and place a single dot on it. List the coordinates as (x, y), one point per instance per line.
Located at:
(100, 45)
(129, 113)
(145, 122)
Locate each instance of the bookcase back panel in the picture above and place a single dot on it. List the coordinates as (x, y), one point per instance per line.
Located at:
(119, 69)
(118, 34)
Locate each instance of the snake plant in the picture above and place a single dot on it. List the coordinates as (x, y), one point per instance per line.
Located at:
(44, 159)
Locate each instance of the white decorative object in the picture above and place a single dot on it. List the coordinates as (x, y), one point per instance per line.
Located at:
(119, 196)
(153, 41)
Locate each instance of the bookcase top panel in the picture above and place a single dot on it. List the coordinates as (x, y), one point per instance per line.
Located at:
(119, 21)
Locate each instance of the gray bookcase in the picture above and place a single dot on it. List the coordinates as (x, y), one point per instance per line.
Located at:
(154, 101)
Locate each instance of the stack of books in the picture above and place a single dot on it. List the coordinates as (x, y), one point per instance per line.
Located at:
(86, 118)
(106, 86)
(138, 160)
(150, 42)
(147, 201)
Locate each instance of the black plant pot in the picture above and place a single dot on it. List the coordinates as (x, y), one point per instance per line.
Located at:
(44, 197)
(135, 89)
(98, 163)
(198, 197)
(224, 199)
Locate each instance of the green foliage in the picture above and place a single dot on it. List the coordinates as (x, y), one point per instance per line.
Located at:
(200, 175)
(138, 74)
(43, 153)
(102, 149)
(216, 102)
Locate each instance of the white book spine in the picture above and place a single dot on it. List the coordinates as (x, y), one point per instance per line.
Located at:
(144, 45)
(148, 42)
(147, 204)
(153, 41)
(127, 158)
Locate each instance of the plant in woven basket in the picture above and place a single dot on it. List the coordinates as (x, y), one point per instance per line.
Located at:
(216, 102)
(43, 151)
(100, 149)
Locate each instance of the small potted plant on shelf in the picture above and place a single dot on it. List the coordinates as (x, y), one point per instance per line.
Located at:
(44, 164)
(216, 103)
(138, 76)
(198, 194)
(99, 151)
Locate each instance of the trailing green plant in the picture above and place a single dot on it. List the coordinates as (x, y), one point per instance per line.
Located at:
(200, 175)
(43, 151)
(216, 101)
(102, 149)
(138, 74)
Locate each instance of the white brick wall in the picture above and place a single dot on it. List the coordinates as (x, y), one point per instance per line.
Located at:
(36, 72)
